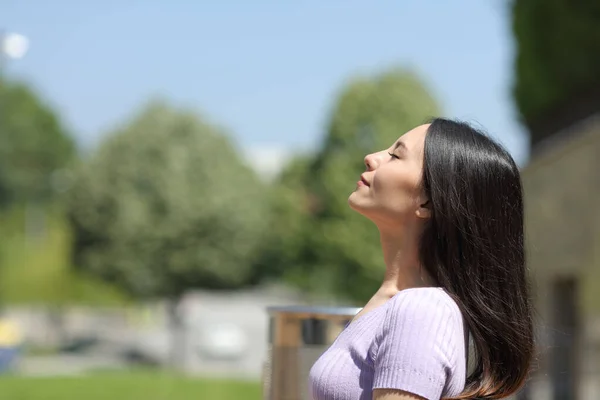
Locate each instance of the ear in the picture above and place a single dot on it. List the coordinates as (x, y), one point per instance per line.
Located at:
(424, 210)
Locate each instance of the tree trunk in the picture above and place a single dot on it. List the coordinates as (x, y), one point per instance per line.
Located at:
(56, 319)
(35, 222)
(178, 331)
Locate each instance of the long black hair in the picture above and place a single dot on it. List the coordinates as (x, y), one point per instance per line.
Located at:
(473, 245)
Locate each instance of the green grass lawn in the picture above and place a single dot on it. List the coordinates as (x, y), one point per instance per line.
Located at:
(127, 386)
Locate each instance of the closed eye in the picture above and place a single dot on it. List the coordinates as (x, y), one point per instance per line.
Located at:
(394, 156)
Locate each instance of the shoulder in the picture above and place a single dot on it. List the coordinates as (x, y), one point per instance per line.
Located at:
(424, 316)
(421, 344)
(424, 304)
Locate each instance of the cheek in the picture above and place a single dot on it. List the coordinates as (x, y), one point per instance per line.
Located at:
(395, 191)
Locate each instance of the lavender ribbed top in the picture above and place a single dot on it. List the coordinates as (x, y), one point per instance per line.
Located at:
(414, 342)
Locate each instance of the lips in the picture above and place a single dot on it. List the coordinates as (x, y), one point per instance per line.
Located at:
(363, 180)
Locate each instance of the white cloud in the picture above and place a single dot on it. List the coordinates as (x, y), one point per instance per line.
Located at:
(268, 160)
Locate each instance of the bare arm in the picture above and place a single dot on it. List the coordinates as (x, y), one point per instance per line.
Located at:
(394, 394)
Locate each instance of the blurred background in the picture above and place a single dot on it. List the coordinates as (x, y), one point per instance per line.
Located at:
(168, 170)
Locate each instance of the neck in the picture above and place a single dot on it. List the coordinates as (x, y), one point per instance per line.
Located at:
(402, 267)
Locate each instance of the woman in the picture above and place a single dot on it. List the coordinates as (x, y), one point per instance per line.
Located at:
(447, 201)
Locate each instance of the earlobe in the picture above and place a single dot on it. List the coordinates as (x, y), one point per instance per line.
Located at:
(424, 210)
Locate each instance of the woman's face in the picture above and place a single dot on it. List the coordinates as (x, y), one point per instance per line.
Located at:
(390, 192)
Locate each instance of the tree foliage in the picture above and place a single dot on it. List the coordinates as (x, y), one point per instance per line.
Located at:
(557, 53)
(164, 205)
(33, 145)
(39, 272)
(334, 250)
(289, 208)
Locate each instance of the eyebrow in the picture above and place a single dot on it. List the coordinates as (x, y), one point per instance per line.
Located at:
(401, 145)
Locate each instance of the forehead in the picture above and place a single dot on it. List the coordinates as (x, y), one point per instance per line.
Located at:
(414, 140)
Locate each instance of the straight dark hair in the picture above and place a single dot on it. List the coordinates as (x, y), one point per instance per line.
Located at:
(473, 245)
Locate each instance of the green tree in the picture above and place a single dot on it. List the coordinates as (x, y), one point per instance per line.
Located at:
(34, 146)
(557, 58)
(165, 205)
(289, 211)
(341, 253)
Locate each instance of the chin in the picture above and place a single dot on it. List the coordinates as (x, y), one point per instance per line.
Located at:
(354, 203)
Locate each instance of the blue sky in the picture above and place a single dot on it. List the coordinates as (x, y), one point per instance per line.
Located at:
(267, 70)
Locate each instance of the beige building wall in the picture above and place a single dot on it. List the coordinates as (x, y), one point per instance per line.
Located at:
(562, 220)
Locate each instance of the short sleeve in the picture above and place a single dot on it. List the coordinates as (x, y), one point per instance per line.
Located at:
(418, 343)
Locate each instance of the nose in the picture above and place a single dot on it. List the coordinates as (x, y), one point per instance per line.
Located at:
(370, 162)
